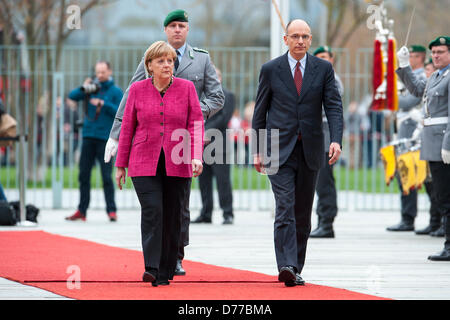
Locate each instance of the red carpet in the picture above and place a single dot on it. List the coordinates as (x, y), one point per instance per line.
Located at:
(42, 260)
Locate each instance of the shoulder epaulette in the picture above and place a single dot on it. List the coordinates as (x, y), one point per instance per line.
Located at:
(200, 50)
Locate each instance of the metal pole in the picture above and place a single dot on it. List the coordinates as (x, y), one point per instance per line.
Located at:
(22, 148)
(23, 100)
(323, 26)
(57, 125)
(277, 46)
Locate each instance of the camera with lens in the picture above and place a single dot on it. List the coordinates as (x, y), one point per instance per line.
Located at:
(91, 88)
(88, 88)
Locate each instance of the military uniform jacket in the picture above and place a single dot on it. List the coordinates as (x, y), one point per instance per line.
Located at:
(436, 90)
(195, 66)
(407, 103)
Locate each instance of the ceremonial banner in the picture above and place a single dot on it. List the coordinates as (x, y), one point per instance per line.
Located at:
(391, 88)
(388, 157)
(421, 169)
(407, 171)
(379, 70)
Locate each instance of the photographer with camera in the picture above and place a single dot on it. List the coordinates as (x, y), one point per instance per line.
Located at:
(101, 101)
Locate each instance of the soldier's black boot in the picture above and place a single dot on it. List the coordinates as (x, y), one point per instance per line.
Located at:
(325, 230)
(404, 225)
(427, 230)
(444, 255)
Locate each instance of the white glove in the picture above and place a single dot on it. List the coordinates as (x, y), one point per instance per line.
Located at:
(111, 149)
(416, 134)
(445, 156)
(416, 115)
(403, 57)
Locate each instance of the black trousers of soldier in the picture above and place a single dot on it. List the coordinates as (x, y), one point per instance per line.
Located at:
(409, 204)
(435, 211)
(185, 221)
(326, 194)
(161, 198)
(440, 173)
(223, 182)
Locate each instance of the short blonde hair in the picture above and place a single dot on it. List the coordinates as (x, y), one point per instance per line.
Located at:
(156, 50)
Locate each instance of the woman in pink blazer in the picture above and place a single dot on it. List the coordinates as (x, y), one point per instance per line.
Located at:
(161, 144)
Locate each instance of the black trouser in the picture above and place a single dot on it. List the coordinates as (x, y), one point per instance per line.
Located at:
(185, 221)
(440, 174)
(435, 213)
(409, 204)
(161, 198)
(293, 186)
(92, 149)
(326, 194)
(223, 182)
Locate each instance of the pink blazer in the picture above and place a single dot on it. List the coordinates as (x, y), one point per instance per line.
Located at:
(173, 123)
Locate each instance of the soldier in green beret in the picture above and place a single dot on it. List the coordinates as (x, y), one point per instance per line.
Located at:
(193, 64)
(435, 136)
(326, 208)
(408, 118)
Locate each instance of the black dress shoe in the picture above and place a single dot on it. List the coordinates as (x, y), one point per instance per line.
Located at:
(288, 276)
(322, 232)
(444, 255)
(402, 226)
(179, 271)
(201, 219)
(299, 280)
(148, 277)
(438, 233)
(160, 283)
(228, 220)
(427, 230)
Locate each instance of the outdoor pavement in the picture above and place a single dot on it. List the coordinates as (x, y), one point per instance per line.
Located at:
(363, 257)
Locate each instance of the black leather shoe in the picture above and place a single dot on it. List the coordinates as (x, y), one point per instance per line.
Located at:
(444, 255)
(228, 220)
(438, 233)
(160, 283)
(299, 280)
(148, 277)
(322, 232)
(288, 276)
(179, 271)
(201, 219)
(402, 226)
(427, 230)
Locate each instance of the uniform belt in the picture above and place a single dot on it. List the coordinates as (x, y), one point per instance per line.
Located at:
(435, 121)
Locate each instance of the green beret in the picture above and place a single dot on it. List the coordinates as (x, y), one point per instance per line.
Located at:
(322, 49)
(177, 15)
(417, 48)
(440, 41)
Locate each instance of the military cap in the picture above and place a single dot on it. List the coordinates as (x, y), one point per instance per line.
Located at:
(176, 15)
(417, 48)
(440, 41)
(322, 49)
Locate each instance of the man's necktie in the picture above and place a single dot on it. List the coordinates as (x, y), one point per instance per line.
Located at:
(298, 78)
(177, 61)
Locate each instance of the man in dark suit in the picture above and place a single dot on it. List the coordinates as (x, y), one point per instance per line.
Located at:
(216, 163)
(292, 89)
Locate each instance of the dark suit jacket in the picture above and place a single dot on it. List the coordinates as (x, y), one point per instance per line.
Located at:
(278, 106)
